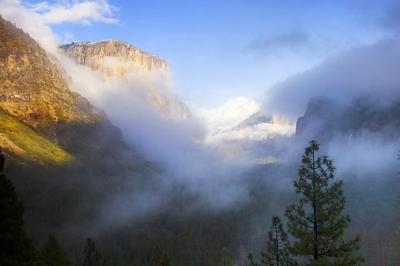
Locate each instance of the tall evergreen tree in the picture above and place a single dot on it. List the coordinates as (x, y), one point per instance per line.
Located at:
(251, 261)
(317, 221)
(159, 257)
(92, 255)
(52, 254)
(15, 246)
(225, 258)
(277, 251)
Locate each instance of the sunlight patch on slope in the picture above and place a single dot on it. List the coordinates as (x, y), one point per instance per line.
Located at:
(25, 143)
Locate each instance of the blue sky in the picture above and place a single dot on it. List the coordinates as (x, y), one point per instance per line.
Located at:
(224, 49)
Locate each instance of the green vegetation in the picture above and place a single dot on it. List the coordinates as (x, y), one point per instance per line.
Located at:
(92, 255)
(316, 221)
(225, 258)
(26, 143)
(277, 251)
(15, 246)
(52, 254)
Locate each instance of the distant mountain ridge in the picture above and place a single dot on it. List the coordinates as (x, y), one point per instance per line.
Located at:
(325, 119)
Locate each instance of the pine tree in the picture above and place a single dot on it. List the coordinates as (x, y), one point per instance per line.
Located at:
(250, 260)
(316, 220)
(163, 260)
(277, 252)
(159, 257)
(92, 256)
(52, 254)
(15, 246)
(225, 258)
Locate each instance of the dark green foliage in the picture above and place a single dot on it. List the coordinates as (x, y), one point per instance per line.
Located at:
(225, 258)
(250, 260)
(52, 254)
(15, 246)
(92, 257)
(316, 220)
(158, 257)
(277, 251)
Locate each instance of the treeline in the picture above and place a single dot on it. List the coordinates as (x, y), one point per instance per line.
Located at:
(315, 223)
(314, 233)
(16, 248)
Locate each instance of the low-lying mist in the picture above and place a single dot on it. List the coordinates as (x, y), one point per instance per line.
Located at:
(363, 141)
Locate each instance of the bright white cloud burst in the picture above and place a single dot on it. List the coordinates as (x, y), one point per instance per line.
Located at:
(82, 12)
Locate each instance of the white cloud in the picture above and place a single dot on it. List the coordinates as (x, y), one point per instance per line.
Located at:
(83, 12)
(68, 38)
(228, 115)
(36, 19)
(31, 22)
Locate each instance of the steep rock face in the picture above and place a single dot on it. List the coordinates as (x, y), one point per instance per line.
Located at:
(44, 121)
(33, 88)
(114, 58)
(325, 119)
(119, 59)
(60, 151)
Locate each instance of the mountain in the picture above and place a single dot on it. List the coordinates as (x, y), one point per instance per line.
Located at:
(60, 149)
(33, 89)
(122, 61)
(37, 104)
(240, 128)
(325, 119)
(228, 115)
(114, 58)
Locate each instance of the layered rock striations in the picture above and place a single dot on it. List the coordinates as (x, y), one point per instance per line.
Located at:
(128, 64)
(33, 89)
(114, 58)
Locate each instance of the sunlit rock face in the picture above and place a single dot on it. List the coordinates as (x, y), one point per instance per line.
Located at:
(33, 89)
(114, 58)
(134, 68)
(40, 115)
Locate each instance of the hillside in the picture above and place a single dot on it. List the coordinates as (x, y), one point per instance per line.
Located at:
(60, 149)
(33, 89)
(27, 144)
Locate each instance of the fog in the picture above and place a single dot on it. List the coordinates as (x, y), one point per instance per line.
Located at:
(363, 151)
(367, 70)
(175, 146)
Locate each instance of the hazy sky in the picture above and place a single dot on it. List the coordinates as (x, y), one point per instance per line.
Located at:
(224, 49)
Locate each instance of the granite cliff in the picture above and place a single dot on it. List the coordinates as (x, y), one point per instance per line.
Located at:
(42, 118)
(325, 119)
(114, 58)
(126, 63)
(33, 89)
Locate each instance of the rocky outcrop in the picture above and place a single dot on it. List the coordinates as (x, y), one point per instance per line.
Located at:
(42, 119)
(114, 58)
(119, 59)
(326, 118)
(33, 89)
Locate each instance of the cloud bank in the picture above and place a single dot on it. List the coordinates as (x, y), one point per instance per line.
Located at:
(363, 71)
(175, 146)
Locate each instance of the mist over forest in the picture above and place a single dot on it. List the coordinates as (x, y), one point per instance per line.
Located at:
(104, 161)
